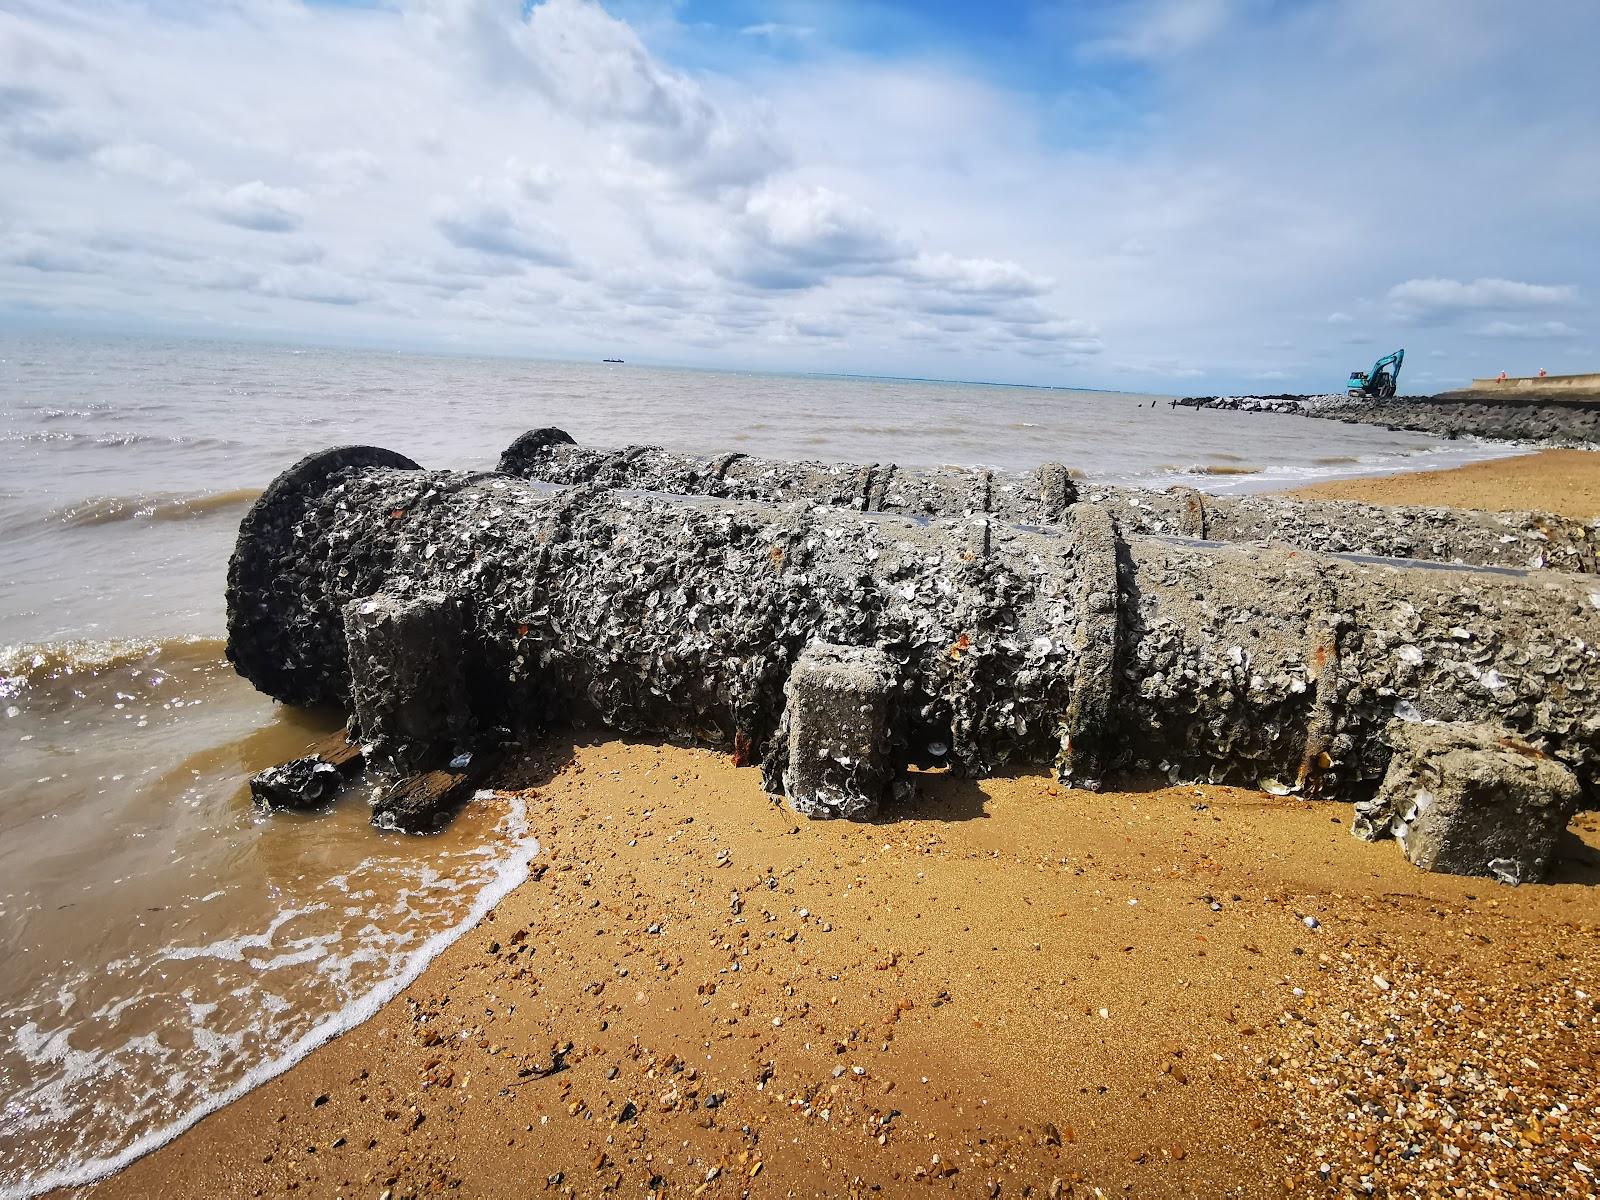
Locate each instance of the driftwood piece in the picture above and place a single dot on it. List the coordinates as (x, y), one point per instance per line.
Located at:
(425, 802)
(418, 802)
(337, 750)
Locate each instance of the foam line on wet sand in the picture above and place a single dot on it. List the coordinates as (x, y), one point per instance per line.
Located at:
(512, 873)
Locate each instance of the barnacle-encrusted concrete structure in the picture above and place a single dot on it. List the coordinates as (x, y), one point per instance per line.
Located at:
(1042, 496)
(1471, 800)
(1078, 644)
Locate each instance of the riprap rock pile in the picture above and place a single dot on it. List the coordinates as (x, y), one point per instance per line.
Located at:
(1544, 421)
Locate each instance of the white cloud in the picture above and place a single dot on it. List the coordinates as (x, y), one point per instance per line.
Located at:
(1161, 29)
(553, 180)
(595, 67)
(1529, 330)
(142, 160)
(809, 325)
(1435, 297)
(531, 180)
(44, 254)
(778, 31)
(987, 276)
(255, 205)
(347, 169)
(44, 135)
(314, 285)
(496, 229)
(1163, 369)
(1075, 336)
(817, 231)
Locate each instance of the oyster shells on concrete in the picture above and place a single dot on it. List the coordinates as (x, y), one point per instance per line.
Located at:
(1471, 800)
(1524, 540)
(1080, 643)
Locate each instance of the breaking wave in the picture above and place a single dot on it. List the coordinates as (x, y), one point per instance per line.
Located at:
(47, 668)
(92, 413)
(1228, 479)
(69, 438)
(308, 984)
(158, 506)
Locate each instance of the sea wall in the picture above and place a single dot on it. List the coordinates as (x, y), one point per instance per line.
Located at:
(1587, 386)
(1544, 423)
(1544, 419)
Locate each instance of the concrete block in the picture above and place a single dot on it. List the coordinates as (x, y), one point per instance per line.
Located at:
(1057, 492)
(840, 713)
(408, 691)
(1088, 728)
(1472, 800)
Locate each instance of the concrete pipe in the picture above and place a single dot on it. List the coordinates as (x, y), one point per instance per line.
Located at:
(1519, 540)
(448, 609)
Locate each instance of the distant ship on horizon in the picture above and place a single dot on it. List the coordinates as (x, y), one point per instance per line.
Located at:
(611, 360)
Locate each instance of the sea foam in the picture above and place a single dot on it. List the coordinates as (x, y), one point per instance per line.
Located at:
(373, 941)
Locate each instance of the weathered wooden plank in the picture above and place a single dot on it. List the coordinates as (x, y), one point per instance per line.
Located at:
(425, 802)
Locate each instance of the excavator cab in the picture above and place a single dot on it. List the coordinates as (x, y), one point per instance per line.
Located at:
(1382, 381)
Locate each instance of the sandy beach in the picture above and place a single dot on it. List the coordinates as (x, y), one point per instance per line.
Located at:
(1004, 988)
(1007, 985)
(1559, 481)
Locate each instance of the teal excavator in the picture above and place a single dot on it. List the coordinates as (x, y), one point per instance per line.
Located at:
(1380, 382)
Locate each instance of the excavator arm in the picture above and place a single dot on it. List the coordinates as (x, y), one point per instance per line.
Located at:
(1382, 381)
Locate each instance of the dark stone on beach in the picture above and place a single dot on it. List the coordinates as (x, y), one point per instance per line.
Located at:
(299, 784)
(313, 779)
(840, 717)
(529, 447)
(1471, 800)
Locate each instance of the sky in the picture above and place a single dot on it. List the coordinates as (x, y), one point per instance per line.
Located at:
(1179, 196)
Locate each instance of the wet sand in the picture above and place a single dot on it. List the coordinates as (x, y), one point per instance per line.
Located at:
(1558, 481)
(1009, 985)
